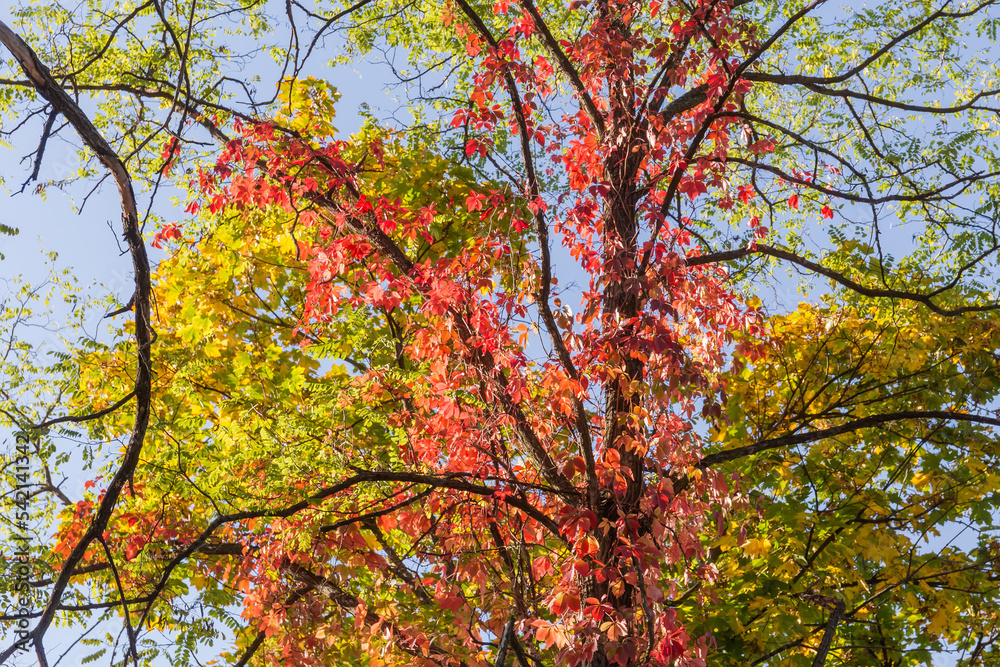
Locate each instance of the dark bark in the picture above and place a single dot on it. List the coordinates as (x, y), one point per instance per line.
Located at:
(43, 82)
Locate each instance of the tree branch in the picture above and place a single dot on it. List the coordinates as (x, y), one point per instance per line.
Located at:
(557, 54)
(329, 588)
(41, 79)
(831, 629)
(847, 427)
(88, 417)
(875, 292)
(454, 482)
(542, 231)
(878, 53)
(40, 151)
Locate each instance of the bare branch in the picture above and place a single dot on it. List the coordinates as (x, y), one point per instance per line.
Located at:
(40, 151)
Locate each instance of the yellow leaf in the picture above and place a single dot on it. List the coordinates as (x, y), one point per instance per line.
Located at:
(940, 620)
(755, 548)
(920, 479)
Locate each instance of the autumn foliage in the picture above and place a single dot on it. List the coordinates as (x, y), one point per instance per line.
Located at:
(498, 386)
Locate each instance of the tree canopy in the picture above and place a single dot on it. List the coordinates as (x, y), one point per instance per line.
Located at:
(626, 333)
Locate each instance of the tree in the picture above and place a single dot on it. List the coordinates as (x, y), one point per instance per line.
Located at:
(370, 426)
(882, 529)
